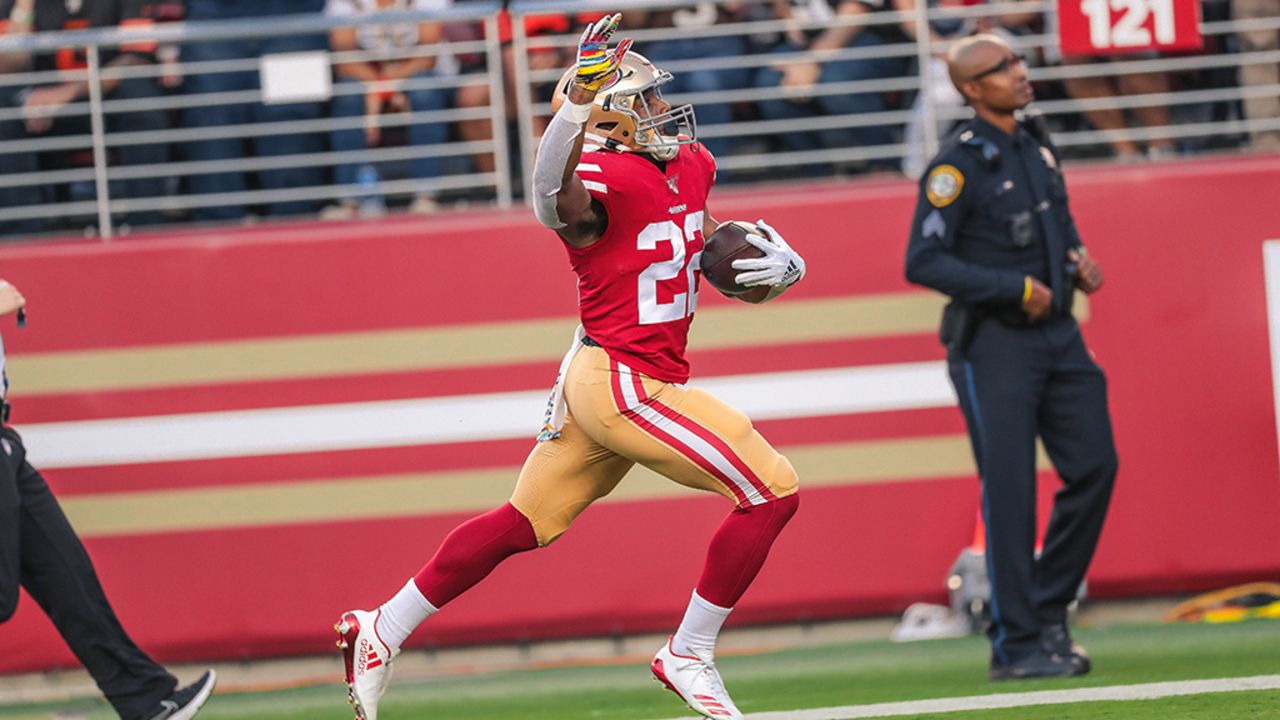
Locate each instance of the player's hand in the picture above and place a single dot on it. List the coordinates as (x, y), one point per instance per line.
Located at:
(780, 266)
(597, 64)
(1038, 305)
(1088, 274)
(10, 298)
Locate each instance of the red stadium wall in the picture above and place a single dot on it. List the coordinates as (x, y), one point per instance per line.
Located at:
(1181, 329)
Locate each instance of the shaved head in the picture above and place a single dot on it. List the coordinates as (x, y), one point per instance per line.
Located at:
(990, 75)
(972, 55)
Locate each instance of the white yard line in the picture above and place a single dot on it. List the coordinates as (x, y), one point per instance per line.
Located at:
(1148, 691)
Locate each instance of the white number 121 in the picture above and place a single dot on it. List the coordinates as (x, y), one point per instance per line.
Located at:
(1128, 30)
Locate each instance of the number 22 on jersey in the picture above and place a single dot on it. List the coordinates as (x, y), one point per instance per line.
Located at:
(678, 272)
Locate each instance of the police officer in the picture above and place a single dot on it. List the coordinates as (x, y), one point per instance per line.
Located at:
(992, 230)
(39, 551)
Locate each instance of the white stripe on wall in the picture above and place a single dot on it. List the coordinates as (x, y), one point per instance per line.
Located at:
(461, 418)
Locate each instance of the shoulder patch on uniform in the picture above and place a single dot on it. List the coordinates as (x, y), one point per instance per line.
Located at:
(944, 185)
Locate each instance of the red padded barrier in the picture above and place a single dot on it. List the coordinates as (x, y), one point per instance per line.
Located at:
(1180, 329)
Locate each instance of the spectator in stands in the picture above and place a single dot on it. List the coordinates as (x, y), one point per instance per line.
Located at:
(1260, 107)
(681, 47)
(46, 109)
(218, 113)
(1106, 86)
(540, 58)
(368, 87)
(803, 76)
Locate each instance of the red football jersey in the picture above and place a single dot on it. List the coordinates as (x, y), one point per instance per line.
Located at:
(638, 285)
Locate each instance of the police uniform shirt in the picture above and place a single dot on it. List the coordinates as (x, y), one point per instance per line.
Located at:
(992, 210)
(53, 15)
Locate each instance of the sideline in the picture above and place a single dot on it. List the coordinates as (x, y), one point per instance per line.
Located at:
(1146, 691)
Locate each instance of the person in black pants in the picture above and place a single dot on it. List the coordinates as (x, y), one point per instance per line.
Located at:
(40, 551)
(992, 230)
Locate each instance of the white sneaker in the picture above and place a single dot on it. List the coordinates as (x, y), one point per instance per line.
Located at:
(367, 659)
(696, 680)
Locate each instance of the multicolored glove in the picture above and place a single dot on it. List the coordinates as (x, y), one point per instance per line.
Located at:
(779, 266)
(597, 65)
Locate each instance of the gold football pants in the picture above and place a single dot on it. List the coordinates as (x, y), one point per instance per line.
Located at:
(618, 417)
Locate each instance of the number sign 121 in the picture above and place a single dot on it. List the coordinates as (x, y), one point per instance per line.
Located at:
(1105, 27)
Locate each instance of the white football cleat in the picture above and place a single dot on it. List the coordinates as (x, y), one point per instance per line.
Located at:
(367, 659)
(695, 679)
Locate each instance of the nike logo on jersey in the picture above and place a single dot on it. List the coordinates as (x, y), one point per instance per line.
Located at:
(677, 209)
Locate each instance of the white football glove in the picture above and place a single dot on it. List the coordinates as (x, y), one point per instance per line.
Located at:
(780, 266)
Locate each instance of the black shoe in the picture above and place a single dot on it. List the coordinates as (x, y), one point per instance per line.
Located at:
(1039, 664)
(185, 702)
(1055, 640)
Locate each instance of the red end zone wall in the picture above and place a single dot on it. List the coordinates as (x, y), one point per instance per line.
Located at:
(1181, 330)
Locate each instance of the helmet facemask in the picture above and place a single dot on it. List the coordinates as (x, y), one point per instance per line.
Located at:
(661, 135)
(616, 124)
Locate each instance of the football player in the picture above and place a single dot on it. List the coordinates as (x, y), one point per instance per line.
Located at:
(630, 209)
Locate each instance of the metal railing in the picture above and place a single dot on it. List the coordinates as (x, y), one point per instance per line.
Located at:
(104, 175)
(916, 118)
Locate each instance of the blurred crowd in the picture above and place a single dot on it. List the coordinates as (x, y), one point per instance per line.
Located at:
(383, 69)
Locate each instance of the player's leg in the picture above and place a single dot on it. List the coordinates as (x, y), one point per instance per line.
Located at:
(695, 439)
(560, 478)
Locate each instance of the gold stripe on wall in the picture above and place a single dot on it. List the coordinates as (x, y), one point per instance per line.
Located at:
(472, 345)
(404, 495)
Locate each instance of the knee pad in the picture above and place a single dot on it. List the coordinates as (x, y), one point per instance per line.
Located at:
(783, 480)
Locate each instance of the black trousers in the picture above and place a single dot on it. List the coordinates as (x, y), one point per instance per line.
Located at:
(1014, 384)
(41, 552)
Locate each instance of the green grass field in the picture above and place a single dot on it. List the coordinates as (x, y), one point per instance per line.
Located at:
(814, 677)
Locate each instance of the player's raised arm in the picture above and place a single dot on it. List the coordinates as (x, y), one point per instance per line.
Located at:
(560, 200)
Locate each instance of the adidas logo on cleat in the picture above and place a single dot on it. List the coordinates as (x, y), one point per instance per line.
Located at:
(367, 658)
(711, 705)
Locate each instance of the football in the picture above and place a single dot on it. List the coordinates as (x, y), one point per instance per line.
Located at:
(726, 244)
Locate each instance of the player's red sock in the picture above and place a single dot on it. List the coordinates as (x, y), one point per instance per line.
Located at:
(472, 551)
(739, 548)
